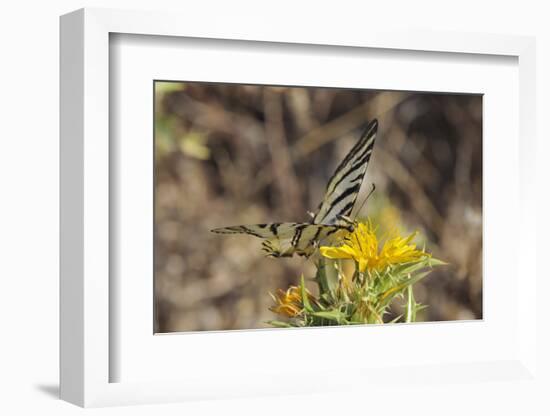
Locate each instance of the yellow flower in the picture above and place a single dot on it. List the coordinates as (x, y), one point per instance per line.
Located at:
(363, 247)
(288, 303)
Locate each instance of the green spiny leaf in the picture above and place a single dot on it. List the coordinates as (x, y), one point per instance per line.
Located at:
(436, 262)
(333, 315)
(394, 320)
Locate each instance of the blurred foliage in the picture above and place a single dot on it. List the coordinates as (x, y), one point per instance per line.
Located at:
(239, 154)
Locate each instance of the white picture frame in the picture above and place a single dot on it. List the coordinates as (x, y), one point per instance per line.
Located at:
(87, 302)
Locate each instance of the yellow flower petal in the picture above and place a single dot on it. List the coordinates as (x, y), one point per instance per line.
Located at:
(343, 252)
(288, 303)
(363, 246)
(363, 263)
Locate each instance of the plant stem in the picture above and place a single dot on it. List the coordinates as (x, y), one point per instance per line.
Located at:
(411, 310)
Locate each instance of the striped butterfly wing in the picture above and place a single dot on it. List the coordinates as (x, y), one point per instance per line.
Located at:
(288, 238)
(344, 185)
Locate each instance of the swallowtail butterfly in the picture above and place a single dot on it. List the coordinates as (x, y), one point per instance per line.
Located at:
(332, 221)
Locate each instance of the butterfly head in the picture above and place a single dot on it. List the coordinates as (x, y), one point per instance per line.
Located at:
(347, 222)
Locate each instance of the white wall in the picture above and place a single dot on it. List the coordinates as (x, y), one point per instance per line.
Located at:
(29, 56)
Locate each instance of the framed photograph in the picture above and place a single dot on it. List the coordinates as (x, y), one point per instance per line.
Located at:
(252, 153)
(239, 211)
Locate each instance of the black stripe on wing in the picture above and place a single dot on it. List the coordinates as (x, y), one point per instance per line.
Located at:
(345, 183)
(257, 230)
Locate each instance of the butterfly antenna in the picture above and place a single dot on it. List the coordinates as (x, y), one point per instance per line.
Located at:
(366, 199)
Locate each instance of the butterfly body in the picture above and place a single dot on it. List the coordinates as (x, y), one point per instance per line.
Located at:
(333, 219)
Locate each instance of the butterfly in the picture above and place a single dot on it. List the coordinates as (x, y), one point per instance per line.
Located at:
(332, 221)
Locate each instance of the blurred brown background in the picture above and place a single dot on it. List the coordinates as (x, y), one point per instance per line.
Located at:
(240, 154)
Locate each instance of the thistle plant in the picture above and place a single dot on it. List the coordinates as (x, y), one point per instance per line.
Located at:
(384, 270)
